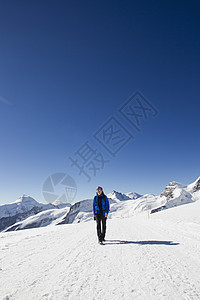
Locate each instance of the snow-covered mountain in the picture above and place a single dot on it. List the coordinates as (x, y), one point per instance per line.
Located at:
(28, 213)
(124, 205)
(41, 219)
(21, 209)
(176, 194)
(123, 197)
(21, 205)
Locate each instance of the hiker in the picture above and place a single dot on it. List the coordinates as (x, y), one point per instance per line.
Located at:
(100, 210)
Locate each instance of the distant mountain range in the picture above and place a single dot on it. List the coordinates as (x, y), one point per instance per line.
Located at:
(27, 209)
(28, 213)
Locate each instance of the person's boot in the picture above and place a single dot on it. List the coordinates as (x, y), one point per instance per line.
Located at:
(100, 240)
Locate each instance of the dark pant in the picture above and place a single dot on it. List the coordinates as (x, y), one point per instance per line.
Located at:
(101, 226)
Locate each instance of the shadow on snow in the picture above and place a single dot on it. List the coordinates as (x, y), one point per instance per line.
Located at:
(151, 242)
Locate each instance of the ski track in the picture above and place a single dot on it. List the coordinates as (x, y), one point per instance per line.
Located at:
(141, 259)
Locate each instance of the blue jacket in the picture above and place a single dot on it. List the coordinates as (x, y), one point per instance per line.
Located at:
(105, 205)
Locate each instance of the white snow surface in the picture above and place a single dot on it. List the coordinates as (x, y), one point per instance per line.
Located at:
(154, 257)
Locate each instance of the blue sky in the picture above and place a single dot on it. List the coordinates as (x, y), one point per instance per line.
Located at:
(66, 67)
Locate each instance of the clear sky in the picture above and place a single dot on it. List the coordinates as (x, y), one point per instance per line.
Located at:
(66, 67)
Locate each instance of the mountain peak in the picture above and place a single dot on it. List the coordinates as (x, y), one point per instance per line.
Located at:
(123, 196)
(196, 185)
(115, 193)
(168, 192)
(25, 199)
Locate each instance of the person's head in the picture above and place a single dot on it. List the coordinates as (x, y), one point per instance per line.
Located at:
(99, 190)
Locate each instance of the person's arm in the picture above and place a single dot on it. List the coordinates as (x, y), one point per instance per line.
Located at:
(94, 206)
(94, 214)
(107, 206)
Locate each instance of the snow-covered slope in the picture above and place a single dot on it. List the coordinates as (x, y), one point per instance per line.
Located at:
(79, 212)
(142, 258)
(21, 209)
(194, 187)
(44, 218)
(60, 204)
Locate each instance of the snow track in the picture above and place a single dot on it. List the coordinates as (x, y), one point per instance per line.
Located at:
(141, 259)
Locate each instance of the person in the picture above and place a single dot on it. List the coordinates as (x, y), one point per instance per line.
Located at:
(101, 209)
